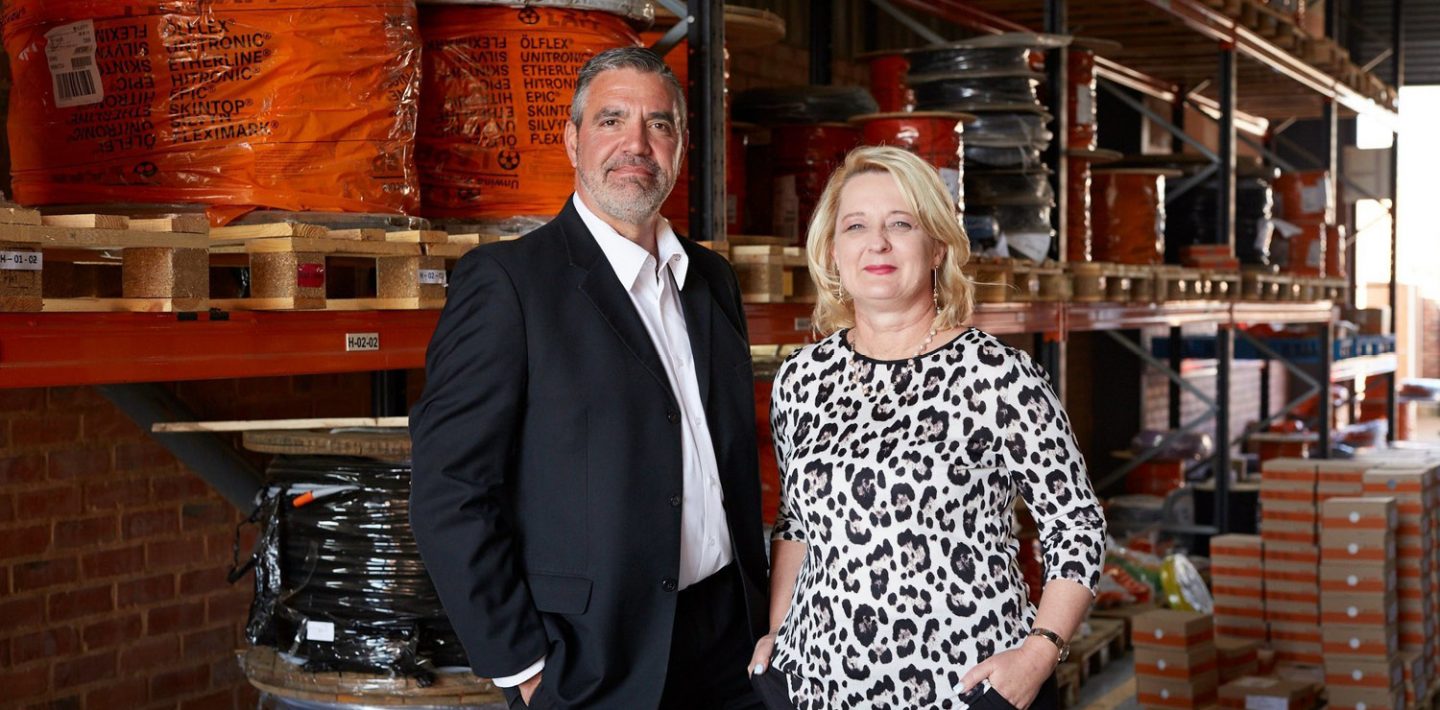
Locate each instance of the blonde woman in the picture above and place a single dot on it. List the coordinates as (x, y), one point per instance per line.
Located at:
(903, 440)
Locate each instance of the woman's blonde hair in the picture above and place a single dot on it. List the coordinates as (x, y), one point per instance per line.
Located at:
(933, 207)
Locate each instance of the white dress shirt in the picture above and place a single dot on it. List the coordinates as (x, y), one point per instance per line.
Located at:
(654, 287)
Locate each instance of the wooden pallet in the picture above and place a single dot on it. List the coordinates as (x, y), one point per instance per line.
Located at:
(1258, 284)
(293, 265)
(1224, 284)
(772, 273)
(1094, 281)
(1125, 615)
(1067, 681)
(102, 263)
(271, 674)
(1176, 283)
(1093, 651)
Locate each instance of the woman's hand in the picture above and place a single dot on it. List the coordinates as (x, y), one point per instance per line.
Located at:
(1017, 674)
(760, 659)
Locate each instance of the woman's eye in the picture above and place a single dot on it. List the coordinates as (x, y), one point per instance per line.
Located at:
(900, 226)
(854, 227)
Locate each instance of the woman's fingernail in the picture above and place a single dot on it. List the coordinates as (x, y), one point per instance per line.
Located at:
(961, 687)
(759, 668)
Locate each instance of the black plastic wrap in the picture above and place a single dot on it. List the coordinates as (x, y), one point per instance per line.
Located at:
(1008, 129)
(346, 558)
(803, 104)
(982, 230)
(983, 187)
(1010, 157)
(1190, 219)
(948, 60)
(965, 92)
(1015, 218)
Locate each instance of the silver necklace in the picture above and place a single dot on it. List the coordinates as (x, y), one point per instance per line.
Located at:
(855, 359)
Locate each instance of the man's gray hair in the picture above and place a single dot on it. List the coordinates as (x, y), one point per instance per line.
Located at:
(640, 59)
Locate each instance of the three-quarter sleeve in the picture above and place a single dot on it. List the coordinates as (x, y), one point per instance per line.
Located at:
(788, 525)
(1044, 461)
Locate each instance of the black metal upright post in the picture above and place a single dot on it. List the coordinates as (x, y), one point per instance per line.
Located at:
(387, 393)
(706, 41)
(1224, 351)
(1177, 358)
(1327, 402)
(1177, 117)
(1397, 66)
(1225, 215)
(1057, 71)
(1331, 117)
(822, 27)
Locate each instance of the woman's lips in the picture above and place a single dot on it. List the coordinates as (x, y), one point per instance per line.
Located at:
(880, 270)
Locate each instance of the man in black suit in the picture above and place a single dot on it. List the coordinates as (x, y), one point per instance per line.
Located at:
(586, 490)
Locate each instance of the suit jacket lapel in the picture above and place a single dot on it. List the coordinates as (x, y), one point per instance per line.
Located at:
(602, 287)
(699, 307)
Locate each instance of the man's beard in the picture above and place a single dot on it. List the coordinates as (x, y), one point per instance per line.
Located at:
(630, 200)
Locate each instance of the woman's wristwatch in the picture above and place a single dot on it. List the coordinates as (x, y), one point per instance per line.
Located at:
(1055, 639)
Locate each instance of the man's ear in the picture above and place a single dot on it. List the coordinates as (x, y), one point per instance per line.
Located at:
(572, 143)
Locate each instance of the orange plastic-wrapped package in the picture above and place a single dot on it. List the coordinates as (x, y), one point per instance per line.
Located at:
(497, 86)
(1305, 195)
(1080, 100)
(1128, 213)
(235, 104)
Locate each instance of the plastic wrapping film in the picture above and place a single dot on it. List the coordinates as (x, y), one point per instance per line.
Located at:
(1079, 236)
(989, 187)
(1009, 129)
(338, 578)
(497, 87)
(1080, 100)
(269, 701)
(887, 81)
(1190, 219)
(1008, 158)
(1305, 195)
(952, 59)
(803, 104)
(236, 104)
(1128, 209)
(967, 92)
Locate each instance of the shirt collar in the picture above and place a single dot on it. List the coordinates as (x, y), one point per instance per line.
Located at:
(627, 258)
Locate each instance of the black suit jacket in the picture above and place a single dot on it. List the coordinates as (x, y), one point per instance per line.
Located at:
(547, 464)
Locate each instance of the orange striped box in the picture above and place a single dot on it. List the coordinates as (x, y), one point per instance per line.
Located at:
(1240, 605)
(1354, 671)
(1236, 545)
(1353, 698)
(1268, 694)
(1240, 626)
(1412, 665)
(1370, 640)
(1166, 628)
(1359, 578)
(1173, 694)
(1292, 552)
(1177, 663)
(1236, 657)
(1357, 546)
(1359, 608)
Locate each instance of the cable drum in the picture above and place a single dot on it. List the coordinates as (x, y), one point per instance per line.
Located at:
(997, 129)
(949, 60)
(341, 590)
(964, 92)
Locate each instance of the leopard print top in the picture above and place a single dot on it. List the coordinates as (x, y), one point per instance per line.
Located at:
(900, 478)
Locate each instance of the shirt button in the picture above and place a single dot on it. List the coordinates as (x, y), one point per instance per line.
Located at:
(675, 501)
(673, 416)
(669, 584)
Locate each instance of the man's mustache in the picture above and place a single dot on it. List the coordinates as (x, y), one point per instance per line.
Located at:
(634, 161)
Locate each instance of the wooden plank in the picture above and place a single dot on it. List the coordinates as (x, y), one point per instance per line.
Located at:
(86, 221)
(19, 215)
(277, 424)
(329, 246)
(448, 251)
(98, 238)
(121, 305)
(361, 235)
(187, 223)
(417, 236)
(266, 231)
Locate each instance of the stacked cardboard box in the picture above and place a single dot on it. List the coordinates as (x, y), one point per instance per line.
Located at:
(1175, 659)
(1288, 526)
(1269, 694)
(1358, 604)
(1236, 657)
(1413, 489)
(1237, 580)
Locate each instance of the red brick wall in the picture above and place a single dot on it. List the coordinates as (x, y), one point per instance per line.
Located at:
(113, 556)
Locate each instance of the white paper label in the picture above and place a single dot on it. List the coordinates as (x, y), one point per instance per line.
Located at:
(732, 212)
(1032, 245)
(1313, 198)
(1356, 674)
(1084, 105)
(1265, 702)
(1361, 705)
(786, 215)
(320, 631)
(21, 261)
(1159, 633)
(1161, 664)
(1164, 693)
(362, 342)
(1354, 516)
(1312, 255)
(432, 277)
(70, 52)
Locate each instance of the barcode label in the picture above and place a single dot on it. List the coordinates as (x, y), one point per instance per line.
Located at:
(70, 51)
(21, 261)
(432, 277)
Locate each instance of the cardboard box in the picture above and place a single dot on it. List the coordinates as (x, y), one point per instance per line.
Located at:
(1165, 628)
(1352, 698)
(1374, 641)
(1292, 552)
(1241, 627)
(1259, 693)
(1382, 578)
(1402, 483)
(1171, 693)
(1236, 545)
(1239, 605)
(1368, 514)
(1236, 657)
(1357, 546)
(1359, 608)
(1413, 668)
(1176, 663)
(1357, 671)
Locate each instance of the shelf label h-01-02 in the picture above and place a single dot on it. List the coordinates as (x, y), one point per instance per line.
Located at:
(21, 261)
